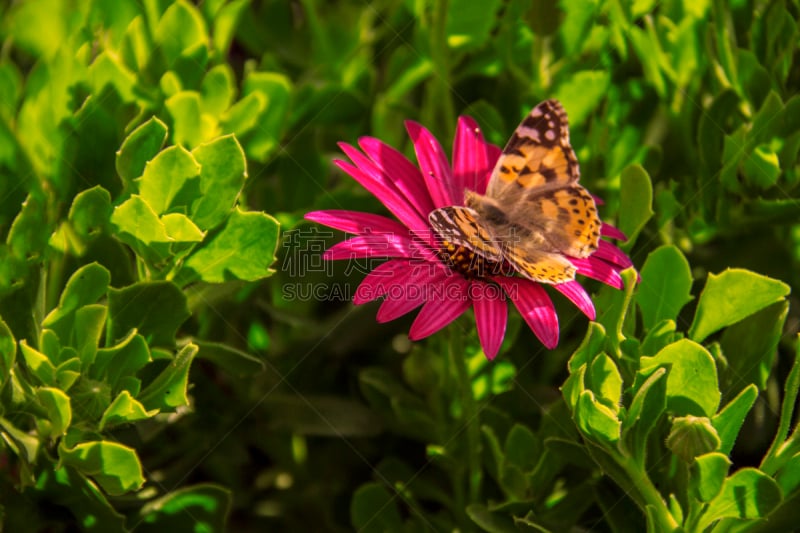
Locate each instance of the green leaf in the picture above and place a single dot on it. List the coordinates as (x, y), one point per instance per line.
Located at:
(665, 287)
(182, 231)
(168, 390)
(788, 477)
(90, 211)
(8, 352)
(596, 421)
(649, 403)
(139, 226)
(243, 249)
(138, 148)
(180, 29)
(659, 336)
(235, 361)
(373, 510)
(260, 142)
(521, 447)
(58, 409)
(761, 167)
(24, 444)
(732, 296)
(581, 94)
(708, 474)
(113, 466)
(155, 308)
(38, 364)
(729, 420)
(123, 410)
(89, 322)
(605, 381)
(124, 359)
(636, 200)
(27, 239)
(469, 24)
(590, 347)
(244, 115)
(224, 170)
(748, 493)
(165, 176)
(225, 23)
(85, 287)
(692, 379)
(493, 522)
(187, 118)
(218, 90)
(750, 346)
(199, 508)
(574, 386)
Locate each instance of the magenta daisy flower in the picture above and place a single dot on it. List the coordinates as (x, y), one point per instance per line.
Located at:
(419, 271)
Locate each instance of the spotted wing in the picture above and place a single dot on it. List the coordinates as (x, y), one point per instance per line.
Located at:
(539, 266)
(536, 180)
(461, 226)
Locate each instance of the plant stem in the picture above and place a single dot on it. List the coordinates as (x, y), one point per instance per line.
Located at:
(469, 415)
(649, 493)
(442, 100)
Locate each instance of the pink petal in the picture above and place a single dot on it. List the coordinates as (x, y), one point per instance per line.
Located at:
(433, 164)
(598, 200)
(594, 268)
(406, 295)
(442, 308)
(470, 160)
(377, 245)
(385, 192)
(406, 177)
(611, 254)
(577, 295)
(377, 282)
(356, 222)
(493, 154)
(491, 316)
(535, 307)
(607, 230)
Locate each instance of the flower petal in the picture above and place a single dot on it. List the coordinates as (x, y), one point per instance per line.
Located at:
(607, 230)
(356, 222)
(535, 307)
(611, 254)
(433, 164)
(376, 283)
(577, 295)
(406, 295)
(595, 268)
(377, 245)
(470, 160)
(406, 177)
(442, 308)
(385, 192)
(491, 316)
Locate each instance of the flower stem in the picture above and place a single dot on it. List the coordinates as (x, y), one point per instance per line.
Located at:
(469, 416)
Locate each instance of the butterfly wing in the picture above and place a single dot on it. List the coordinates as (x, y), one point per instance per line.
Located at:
(536, 180)
(461, 226)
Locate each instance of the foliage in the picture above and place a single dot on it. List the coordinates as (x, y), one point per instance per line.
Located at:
(173, 357)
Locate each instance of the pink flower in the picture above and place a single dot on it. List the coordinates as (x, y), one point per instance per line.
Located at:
(417, 273)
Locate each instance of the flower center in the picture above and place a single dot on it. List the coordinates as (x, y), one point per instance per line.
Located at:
(470, 264)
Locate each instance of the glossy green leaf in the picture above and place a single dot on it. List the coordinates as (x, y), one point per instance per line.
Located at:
(708, 474)
(224, 170)
(659, 336)
(124, 409)
(731, 296)
(165, 176)
(649, 403)
(665, 287)
(90, 322)
(244, 248)
(180, 29)
(260, 142)
(788, 477)
(90, 211)
(139, 147)
(592, 345)
(225, 23)
(762, 167)
(115, 467)
(729, 420)
(199, 508)
(85, 287)
(22, 443)
(748, 493)
(27, 238)
(38, 363)
(469, 23)
(168, 389)
(57, 406)
(139, 226)
(596, 421)
(185, 109)
(692, 378)
(156, 309)
(636, 200)
(218, 89)
(605, 381)
(582, 93)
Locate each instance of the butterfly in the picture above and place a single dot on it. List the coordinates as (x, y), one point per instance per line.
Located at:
(534, 212)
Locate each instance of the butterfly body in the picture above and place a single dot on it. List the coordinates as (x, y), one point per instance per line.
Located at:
(534, 212)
